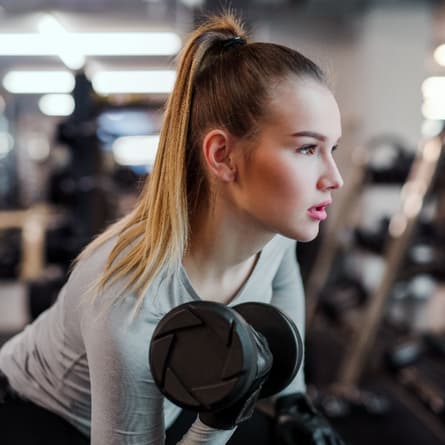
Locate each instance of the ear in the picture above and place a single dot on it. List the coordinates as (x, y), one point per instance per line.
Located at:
(218, 148)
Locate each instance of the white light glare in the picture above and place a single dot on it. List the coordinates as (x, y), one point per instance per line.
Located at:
(56, 104)
(61, 41)
(110, 82)
(136, 150)
(37, 82)
(434, 87)
(93, 44)
(433, 110)
(439, 54)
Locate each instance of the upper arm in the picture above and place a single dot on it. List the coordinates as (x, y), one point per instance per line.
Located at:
(126, 405)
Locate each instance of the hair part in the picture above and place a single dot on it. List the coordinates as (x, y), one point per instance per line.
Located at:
(218, 85)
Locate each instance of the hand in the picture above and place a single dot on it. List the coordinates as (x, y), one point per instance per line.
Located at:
(297, 421)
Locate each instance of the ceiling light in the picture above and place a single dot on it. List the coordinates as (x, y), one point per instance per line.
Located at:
(92, 44)
(136, 150)
(62, 42)
(37, 82)
(434, 86)
(434, 110)
(56, 104)
(439, 54)
(192, 3)
(113, 82)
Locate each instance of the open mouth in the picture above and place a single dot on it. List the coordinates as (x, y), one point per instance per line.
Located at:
(318, 213)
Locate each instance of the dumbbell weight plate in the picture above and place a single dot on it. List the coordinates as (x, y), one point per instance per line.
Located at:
(197, 369)
(283, 339)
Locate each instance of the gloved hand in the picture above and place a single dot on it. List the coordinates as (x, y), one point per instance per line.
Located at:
(298, 422)
(242, 410)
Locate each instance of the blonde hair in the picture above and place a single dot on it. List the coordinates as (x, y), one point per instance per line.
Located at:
(223, 80)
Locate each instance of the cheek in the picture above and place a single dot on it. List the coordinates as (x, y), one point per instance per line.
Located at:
(282, 180)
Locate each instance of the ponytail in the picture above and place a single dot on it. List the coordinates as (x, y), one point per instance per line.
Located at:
(154, 235)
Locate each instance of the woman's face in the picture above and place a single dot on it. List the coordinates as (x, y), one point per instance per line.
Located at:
(285, 184)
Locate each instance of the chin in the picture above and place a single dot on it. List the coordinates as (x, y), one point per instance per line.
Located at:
(302, 236)
(307, 239)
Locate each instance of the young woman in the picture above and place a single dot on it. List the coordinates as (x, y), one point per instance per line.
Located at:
(245, 167)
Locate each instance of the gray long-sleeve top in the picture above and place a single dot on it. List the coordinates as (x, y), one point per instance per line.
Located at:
(90, 365)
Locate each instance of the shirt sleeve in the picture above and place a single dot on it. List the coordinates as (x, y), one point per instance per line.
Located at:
(127, 407)
(288, 296)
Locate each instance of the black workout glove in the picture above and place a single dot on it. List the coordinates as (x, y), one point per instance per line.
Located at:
(298, 422)
(242, 410)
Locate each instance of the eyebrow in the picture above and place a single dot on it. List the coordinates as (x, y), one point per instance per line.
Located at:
(311, 134)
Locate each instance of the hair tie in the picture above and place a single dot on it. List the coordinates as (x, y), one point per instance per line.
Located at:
(233, 41)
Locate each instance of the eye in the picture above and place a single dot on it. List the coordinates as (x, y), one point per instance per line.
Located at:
(307, 149)
(334, 148)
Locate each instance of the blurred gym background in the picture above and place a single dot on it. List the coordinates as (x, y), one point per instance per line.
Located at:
(82, 88)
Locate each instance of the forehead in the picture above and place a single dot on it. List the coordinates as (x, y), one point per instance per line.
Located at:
(304, 105)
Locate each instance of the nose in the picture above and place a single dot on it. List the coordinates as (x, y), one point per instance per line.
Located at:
(331, 178)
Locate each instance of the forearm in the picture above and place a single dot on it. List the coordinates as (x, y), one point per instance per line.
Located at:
(200, 434)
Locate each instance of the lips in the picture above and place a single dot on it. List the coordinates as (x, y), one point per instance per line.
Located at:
(318, 212)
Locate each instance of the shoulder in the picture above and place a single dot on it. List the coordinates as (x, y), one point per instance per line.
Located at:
(90, 267)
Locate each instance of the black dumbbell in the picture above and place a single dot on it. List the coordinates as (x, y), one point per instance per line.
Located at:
(203, 356)
(404, 353)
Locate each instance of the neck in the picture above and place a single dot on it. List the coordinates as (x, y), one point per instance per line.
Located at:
(222, 248)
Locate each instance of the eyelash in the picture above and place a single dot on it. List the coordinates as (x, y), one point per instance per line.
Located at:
(307, 149)
(310, 149)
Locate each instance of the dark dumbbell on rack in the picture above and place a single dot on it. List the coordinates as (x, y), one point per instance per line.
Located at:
(390, 161)
(408, 299)
(10, 253)
(409, 362)
(63, 244)
(404, 353)
(339, 402)
(435, 341)
(373, 240)
(342, 295)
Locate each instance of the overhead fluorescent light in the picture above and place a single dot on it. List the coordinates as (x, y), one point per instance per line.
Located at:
(92, 44)
(104, 82)
(56, 104)
(61, 41)
(113, 82)
(136, 150)
(38, 82)
(128, 44)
